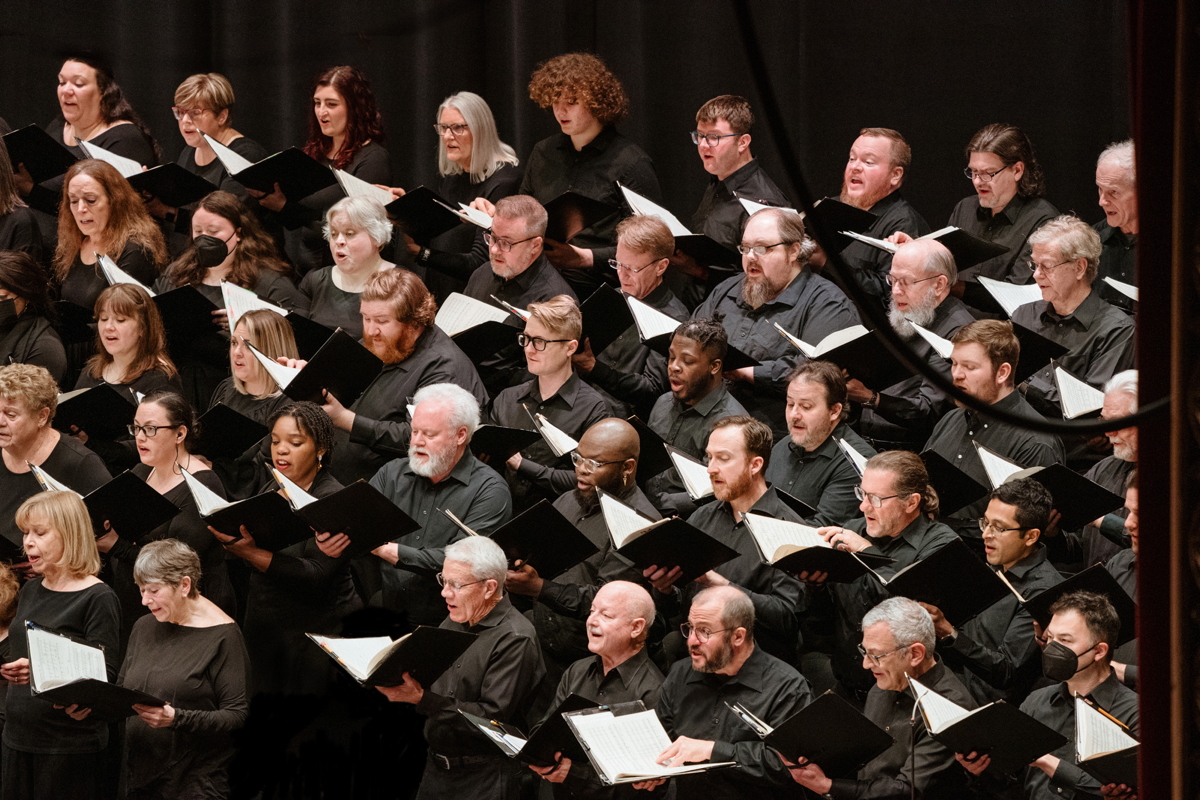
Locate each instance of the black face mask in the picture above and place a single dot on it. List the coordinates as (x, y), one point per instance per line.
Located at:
(1060, 663)
(210, 250)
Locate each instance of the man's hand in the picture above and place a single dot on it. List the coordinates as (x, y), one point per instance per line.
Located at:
(688, 266)
(816, 577)
(156, 716)
(275, 201)
(78, 434)
(556, 773)
(973, 762)
(843, 539)
(808, 775)
(941, 627)
(105, 542)
(662, 579)
(341, 416)
(408, 692)
(712, 578)
(524, 579)
(745, 374)
(333, 545)
(389, 552)
(857, 392)
(1053, 524)
(1117, 791)
(567, 256)
(685, 750)
(583, 359)
(514, 461)
(899, 237)
(1047, 764)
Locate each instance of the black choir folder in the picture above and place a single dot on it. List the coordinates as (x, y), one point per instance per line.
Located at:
(423, 214)
(653, 458)
(1036, 352)
(359, 510)
(499, 444)
(552, 736)
(378, 661)
(829, 732)
(186, 315)
(1095, 579)
(667, 543)
(1000, 730)
(606, 316)
(1080, 500)
(571, 212)
(129, 504)
(795, 548)
(857, 350)
(952, 578)
(44, 157)
(225, 433)
(540, 537)
(297, 174)
(172, 184)
(956, 489)
(1103, 747)
(266, 516)
(69, 672)
(102, 411)
(342, 367)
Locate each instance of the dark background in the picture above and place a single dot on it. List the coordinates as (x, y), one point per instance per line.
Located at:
(936, 71)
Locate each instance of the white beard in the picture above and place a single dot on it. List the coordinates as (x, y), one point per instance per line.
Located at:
(438, 463)
(919, 313)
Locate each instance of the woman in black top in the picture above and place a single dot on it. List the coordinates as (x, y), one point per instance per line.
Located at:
(10, 587)
(26, 333)
(165, 429)
(18, 227)
(346, 133)
(46, 752)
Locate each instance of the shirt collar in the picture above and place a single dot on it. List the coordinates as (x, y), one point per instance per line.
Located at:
(526, 278)
(494, 617)
(790, 296)
(1022, 568)
(461, 472)
(742, 178)
(599, 144)
(1105, 693)
(569, 391)
(1009, 213)
(751, 675)
(1086, 313)
(706, 404)
(627, 670)
(826, 449)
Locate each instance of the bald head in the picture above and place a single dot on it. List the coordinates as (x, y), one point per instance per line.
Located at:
(736, 608)
(929, 256)
(634, 600)
(611, 439)
(619, 620)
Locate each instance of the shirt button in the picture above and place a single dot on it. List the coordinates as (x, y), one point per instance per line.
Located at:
(958, 457)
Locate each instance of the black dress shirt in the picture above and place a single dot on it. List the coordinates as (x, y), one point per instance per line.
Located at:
(810, 308)
(472, 491)
(913, 753)
(1077, 550)
(908, 410)
(995, 654)
(694, 704)
(823, 478)
(869, 264)
(685, 428)
(1011, 228)
(1118, 260)
(1099, 341)
(630, 375)
(1123, 567)
(555, 166)
(381, 426)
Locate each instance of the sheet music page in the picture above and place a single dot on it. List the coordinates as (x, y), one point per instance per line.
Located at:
(280, 373)
(49, 483)
(753, 207)
(460, 313)
(1096, 734)
(1127, 289)
(1076, 397)
(296, 497)
(233, 161)
(773, 535)
(997, 467)
(625, 745)
(356, 655)
(474, 216)
(856, 458)
(240, 300)
(648, 208)
(207, 501)
(882, 244)
(939, 233)
(943, 347)
(939, 712)
(56, 660)
(839, 338)
(114, 275)
(126, 166)
(65, 396)
(354, 186)
(693, 474)
(1009, 295)
(622, 521)
(649, 320)
(511, 743)
(559, 442)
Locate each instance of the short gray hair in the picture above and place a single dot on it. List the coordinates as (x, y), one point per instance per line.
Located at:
(1121, 155)
(1125, 383)
(462, 405)
(737, 609)
(1074, 238)
(167, 561)
(485, 558)
(908, 622)
(365, 213)
(524, 207)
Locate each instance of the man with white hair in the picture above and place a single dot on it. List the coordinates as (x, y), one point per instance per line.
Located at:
(492, 679)
(898, 643)
(439, 474)
(1097, 335)
(1116, 180)
(903, 415)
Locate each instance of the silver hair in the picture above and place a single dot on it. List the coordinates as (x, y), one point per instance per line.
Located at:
(1126, 383)
(365, 213)
(485, 558)
(1074, 239)
(463, 407)
(908, 622)
(938, 259)
(488, 153)
(1121, 154)
(167, 561)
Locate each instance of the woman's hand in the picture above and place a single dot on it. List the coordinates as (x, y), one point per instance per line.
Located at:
(221, 319)
(75, 712)
(156, 716)
(16, 672)
(333, 545)
(275, 201)
(78, 434)
(242, 548)
(105, 542)
(23, 180)
(158, 209)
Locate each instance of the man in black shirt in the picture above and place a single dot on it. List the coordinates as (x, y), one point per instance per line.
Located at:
(898, 644)
(810, 464)
(492, 679)
(1123, 567)
(398, 327)
(903, 415)
(776, 288)
(620, 672)
(1116, 179)
(629, 374)
(589, 158)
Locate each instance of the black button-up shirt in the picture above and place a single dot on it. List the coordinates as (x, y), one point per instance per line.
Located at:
(1073, 551)
(1123, 567)
(823, 478)
(871, 265)
(1099, 338)
(1011, 228)
(472, 491)
(810, 308)
(1118, 260)
(493, 679)
(693, 704)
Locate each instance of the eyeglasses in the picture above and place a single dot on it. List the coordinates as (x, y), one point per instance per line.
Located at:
(149, 430)
(984, 177)
(538, 342)
(875, 659)
(454, 586)
(711, 139)
(503, 245)
(193, 113)
(455, 130)
(702, 634)
(873, 499)
(904, 283)
(985, 526)
(758, 249)
(612, 262)
(590, 464)
(1045, 270)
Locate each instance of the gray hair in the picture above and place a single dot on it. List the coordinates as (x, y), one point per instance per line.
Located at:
(462, 406)
(790, 227)
(167, 561)
(1125, 383)
(1121, 155)
(485, 558)
(908, 622)
(937, 258)
(1074, 238)
(522, 206)
(737, 609)
(488, 153)
(365, 213)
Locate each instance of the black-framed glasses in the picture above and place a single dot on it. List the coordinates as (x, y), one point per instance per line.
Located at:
(612, 262)
(590, 464)
(191, 113)
(702, 634)
(711, 139)
(984, 177)
(757, 249)
(985, 526)
(538, 342)
(1045, 270)
(875, 659)
(455, 586)
(873, 499)
(503, 245)
(904, 283)
(150, 430)
(456, 130)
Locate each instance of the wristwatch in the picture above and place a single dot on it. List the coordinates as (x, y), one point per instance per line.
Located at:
(874, 403)
(423, 256)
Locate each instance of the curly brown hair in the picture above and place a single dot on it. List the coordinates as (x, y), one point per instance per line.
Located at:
(584, 78)
(255, 248)
(364, 123)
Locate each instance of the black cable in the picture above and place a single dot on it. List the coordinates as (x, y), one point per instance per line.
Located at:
(867, 304)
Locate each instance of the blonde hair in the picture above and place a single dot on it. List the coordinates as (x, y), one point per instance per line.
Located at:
(273, 336)
(65, 513)
(646, 235)
(211, 90)
(560, 315)
(31, 385)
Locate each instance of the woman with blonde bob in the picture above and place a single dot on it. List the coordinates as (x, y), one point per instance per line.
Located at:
(46, 752)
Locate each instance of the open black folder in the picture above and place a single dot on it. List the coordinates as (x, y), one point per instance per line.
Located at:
(796, 548)
(1103, 747)
(1095, 579)
(423, 214)
(74, 322)
(44, 157)
(297, 174)
(378, 661)
(1080, 500)
(571, 212)
(667, 544)
(552, 736)
(360, 511)
(606, 316)
(499, 444)
(653, 458)
(267, 516)
(225, 433)
(129, 504)
(956, 489)
(859, 351)
(172, 184)
(541, 537)
(952, 578)
(829, 732)
(102, 411)
(186, 314)
(1036, 352)
(342, 366)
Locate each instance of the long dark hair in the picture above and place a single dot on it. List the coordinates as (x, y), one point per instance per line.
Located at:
(255, 248)
(1010, 144)
(114, 107)
(20, 275)
(363, 121)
